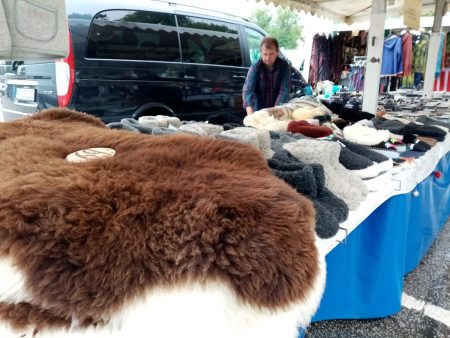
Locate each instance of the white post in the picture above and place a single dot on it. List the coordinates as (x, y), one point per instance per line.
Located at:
(308, 51)
(374, 54)
(433, 49)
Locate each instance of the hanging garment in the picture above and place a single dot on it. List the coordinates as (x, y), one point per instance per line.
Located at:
(407, 54)
(392, 56)
(437, 73)
(420, 55)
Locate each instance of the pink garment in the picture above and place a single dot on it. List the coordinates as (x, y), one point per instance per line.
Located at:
(407, 54)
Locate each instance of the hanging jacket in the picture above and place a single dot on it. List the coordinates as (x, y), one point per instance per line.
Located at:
(391, 64)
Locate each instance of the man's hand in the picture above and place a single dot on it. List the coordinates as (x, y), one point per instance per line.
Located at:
(249, 110)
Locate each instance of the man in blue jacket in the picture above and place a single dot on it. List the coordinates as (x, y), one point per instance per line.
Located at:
(268, 80)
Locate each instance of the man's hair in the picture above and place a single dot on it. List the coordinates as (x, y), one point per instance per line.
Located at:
(270, 43)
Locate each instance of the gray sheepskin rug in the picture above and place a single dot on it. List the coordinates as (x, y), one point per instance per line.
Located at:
(148, 236)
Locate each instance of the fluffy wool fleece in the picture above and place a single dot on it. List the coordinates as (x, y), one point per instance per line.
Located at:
(173, 231)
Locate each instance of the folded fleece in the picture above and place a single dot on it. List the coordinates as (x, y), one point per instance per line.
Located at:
(340, 181)
(365, 135)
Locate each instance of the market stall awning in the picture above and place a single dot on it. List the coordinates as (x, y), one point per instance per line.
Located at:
(348, 11)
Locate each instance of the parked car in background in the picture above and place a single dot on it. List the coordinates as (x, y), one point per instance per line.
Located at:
(143, 58)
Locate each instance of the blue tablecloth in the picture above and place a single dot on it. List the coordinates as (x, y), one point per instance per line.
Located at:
(365, 275)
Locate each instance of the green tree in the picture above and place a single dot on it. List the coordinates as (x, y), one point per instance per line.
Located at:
(284, 26)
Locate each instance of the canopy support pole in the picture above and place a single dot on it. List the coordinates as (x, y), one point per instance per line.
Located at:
(374, 54)
(433, 49)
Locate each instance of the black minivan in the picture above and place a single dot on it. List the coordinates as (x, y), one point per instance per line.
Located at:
(142, 58)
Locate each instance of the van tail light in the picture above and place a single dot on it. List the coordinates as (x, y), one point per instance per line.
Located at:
(65, 77)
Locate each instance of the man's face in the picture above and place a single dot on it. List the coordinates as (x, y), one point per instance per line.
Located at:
(269, 55)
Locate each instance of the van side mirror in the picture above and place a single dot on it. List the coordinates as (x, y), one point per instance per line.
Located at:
(36, 30)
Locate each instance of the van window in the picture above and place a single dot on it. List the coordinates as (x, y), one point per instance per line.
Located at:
(209, 41)
(253, 40)
(133, 35)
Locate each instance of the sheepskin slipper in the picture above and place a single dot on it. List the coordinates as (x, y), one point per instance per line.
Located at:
(360, 165)
(432, 122)
(258, 138)
(384, 163)
(340, 181)
(107, 233)
(263, 119)
(309, 180)
(307, 129)
(365, 135)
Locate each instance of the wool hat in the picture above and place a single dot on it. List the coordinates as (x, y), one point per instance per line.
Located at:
(307, 129)
(258, 138)
(309, 180)
(432, 122)
(365, 135)
(340, 181)
(383, 162)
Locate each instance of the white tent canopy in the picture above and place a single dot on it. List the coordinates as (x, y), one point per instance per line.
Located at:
(346, 10)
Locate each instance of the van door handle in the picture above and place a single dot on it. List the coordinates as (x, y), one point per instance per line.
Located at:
(239, 76)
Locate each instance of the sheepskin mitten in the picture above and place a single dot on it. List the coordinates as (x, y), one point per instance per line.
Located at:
(432, 122)
(309, 180)
(365, 135)
(307, 129)
(384, 163)
(360, 165)
(159, 121)
(340, 181)
(258, 138)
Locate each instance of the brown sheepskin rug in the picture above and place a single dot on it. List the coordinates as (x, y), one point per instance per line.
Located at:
(88, 239)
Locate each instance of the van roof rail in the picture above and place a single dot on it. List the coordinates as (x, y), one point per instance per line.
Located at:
(232, 16)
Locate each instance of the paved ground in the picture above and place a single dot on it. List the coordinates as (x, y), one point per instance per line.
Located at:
(425, 304)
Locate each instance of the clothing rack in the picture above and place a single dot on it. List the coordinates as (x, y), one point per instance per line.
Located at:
(358, 68)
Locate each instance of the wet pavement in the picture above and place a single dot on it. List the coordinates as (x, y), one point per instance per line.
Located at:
(425, 309)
